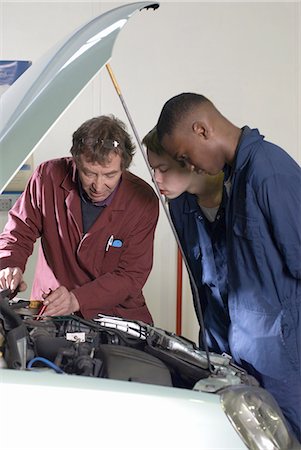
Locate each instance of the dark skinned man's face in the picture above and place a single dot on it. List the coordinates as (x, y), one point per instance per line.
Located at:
(199, 153)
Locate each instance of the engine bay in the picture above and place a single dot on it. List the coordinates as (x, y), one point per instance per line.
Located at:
(108, 347)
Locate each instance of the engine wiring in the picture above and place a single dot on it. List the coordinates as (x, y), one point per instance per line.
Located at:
(46, 362)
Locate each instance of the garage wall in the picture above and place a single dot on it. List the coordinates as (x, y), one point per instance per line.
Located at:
(244, 56)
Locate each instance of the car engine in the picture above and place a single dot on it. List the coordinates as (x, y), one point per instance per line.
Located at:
(108, 347)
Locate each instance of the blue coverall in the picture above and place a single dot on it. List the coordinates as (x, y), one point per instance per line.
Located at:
(263, 241)
(264, 268)
(204, 245)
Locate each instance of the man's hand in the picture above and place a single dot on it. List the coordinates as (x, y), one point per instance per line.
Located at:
(12, 278)
(60, 302)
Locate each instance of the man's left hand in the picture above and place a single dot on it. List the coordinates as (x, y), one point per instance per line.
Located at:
(60, 302)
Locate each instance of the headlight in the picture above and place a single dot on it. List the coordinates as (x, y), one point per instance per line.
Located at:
(257, 418)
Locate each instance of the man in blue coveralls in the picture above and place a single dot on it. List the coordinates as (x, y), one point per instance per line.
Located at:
(197, 209)
(263, 238)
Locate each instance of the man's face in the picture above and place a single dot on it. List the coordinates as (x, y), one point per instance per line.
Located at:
(172, 179)
(99, 180)
(197, 152)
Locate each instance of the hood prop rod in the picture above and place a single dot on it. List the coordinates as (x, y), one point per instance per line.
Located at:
(196, 297)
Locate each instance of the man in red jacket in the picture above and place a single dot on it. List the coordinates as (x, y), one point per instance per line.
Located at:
(96, 221)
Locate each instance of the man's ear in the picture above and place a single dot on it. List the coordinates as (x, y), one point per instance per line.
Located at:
(200, 129)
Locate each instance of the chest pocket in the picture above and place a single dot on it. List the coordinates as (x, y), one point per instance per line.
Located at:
(247, 243)
(246, 228)
(111, 259)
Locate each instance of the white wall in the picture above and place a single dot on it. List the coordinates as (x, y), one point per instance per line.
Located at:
(243, 56)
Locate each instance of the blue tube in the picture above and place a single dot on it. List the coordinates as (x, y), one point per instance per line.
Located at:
(48, 363)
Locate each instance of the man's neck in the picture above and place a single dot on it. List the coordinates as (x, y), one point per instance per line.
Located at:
(232, 141)
(213, 197)
(208, 189)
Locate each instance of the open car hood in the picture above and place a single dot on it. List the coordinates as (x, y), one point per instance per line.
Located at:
(31, 106)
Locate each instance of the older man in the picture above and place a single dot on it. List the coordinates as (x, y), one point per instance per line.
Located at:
(96, 221)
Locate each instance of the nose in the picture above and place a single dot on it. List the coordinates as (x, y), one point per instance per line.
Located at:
(98, 183)
(191, 167)
(157, 176)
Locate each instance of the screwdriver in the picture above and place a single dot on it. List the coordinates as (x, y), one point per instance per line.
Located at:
(42, 310)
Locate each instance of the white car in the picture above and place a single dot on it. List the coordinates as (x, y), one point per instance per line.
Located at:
(69, 383)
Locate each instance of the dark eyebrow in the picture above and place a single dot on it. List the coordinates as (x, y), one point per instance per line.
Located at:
(88, 169)
(159, 165)
(112, 172)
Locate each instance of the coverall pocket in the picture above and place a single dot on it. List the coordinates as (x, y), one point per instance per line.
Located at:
(246, 228)
(247, 243)
(257, 338)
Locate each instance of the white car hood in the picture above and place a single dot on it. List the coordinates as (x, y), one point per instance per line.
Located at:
(31, 106)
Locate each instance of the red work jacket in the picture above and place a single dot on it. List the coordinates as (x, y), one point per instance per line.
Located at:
(105, 278)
